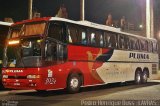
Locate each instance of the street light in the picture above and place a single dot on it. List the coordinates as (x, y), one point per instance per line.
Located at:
(82, 10)
(149, 19)
(30, 12)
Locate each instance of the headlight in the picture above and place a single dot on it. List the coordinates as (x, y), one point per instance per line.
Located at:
(33, 76)
(5, 76)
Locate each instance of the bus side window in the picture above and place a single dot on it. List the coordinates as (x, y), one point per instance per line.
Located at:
(72, 34)
(132, 43)
(154, 47)
(107, 39)
(82, 36)
(157, 47)
(95, 38)
(114, 40)
(121, 42)
(56, 31)
(137, 44)
(150, 47)
(146, 45)
(126, 42)
(142, 45)
(100, 39)
(91, 37)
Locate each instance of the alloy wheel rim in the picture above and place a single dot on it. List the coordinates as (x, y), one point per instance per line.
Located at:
(74, 83)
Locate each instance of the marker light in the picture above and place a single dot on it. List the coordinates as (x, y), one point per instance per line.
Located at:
(13, 42)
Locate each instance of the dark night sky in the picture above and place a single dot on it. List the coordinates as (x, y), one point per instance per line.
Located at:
(96, 10)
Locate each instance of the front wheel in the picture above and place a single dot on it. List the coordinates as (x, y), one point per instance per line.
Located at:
(73, 83)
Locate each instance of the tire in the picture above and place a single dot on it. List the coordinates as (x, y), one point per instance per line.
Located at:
(73, 83)
(144, 77)
(138, 77)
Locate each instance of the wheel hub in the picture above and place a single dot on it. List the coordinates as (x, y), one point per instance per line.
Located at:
(74, 83)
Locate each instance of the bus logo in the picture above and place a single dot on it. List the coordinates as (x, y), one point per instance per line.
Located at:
(139, 56)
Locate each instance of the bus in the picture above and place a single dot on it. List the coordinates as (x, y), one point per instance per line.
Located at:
(4, 28)
(53, 53)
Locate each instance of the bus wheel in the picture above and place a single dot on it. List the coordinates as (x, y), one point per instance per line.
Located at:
(73, 83)
(138, 77)
(144, 77)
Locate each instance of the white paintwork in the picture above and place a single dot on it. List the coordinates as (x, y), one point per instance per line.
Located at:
(98, 26)
(5, 23)
(115, 71)
(126, 70)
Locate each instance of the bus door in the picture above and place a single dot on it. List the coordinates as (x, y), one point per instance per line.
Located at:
(55, 52)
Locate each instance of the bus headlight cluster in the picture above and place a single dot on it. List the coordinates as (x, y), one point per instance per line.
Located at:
(5, 76)
(33, 76)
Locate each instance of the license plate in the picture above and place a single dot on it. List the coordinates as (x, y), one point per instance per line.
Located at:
(17, 84)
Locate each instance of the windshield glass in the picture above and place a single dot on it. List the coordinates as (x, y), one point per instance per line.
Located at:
(28, 29)
(25, 54)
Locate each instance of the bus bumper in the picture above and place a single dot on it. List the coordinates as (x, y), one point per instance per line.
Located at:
(21, 84)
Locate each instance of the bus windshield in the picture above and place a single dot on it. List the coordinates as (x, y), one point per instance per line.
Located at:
(28, 29)
(25, 54)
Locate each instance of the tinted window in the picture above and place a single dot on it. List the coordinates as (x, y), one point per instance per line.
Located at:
(82, 36)
(121, 42)
(155, 47)
(126, 42)
(107, 39)
(56, 31)
(73, 34)
(132, 43)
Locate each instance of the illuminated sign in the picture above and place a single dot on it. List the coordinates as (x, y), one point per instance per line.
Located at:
(13, 42)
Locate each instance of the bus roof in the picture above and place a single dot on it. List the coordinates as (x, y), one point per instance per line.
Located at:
(84, 23)
(99, 26)
(32, 20)
(5, 23)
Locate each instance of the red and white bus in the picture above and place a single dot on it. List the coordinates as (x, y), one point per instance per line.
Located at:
(55, 53)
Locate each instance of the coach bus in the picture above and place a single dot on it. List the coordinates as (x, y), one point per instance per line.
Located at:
(4, 28)
(55, 53)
